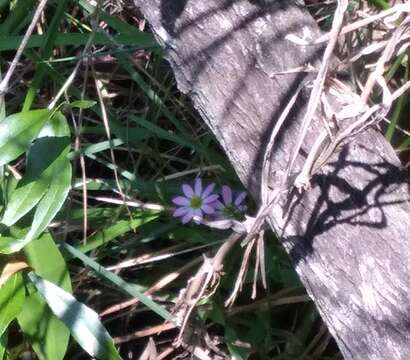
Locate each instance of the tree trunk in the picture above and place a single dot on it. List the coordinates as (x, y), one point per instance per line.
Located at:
(348, 236)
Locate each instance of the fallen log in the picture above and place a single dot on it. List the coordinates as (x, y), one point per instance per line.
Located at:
(348, 235)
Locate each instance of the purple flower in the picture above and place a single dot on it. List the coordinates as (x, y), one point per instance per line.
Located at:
(230, 207)
(195, 203)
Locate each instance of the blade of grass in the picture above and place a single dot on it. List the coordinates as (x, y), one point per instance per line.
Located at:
(398, 110)
(151, 94)
(117, 24)
(394, 67)
(46, 52)
(163, 134)
(18, 16)
(126, 287)
(124, 173)
(96, 148)
(112, 232)
(405, 144)
(2, 105)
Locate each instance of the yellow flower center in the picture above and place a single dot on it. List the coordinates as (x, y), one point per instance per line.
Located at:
(195, 202)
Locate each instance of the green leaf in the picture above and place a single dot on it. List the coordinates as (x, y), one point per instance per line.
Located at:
(44, 256)
(46, 184)
(56, 127)
(52, 143)
(83, 104)
(46, 209)
(47, 334)
(38, 177)
(12, 295)
(83, 323)
(54, 199)
(23, 199)
(7, 244)
(17, 131)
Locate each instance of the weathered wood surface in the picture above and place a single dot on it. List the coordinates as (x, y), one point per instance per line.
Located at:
(349, 235)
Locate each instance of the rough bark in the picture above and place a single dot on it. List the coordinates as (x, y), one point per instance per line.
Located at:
(347, 236)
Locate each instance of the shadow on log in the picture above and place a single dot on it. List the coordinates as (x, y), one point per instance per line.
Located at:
(348, 236)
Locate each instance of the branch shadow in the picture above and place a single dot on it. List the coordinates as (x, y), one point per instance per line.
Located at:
(342, 202)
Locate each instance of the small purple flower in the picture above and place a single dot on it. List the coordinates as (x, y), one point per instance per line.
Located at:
(230, 208)
(195, 203)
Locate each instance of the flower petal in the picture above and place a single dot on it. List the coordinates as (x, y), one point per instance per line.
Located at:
(180, 200)
(198, 186)
(210, 199)
(207, 209)
(227, 194)
(181, 211)
(217, 205)
(187, 189)
(188, 216)
(197, 216)
(241, 197)
(208, 190)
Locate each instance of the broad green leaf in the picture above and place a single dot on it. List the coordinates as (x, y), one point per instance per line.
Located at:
(7, 244)
(47, 334)
(46, 209)
(17, 131)
(52, 143)
(23, 199)
(83, 323)
(44, 256)
(12, 295)
(56, 127)
(53, 200)
(40, 168)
